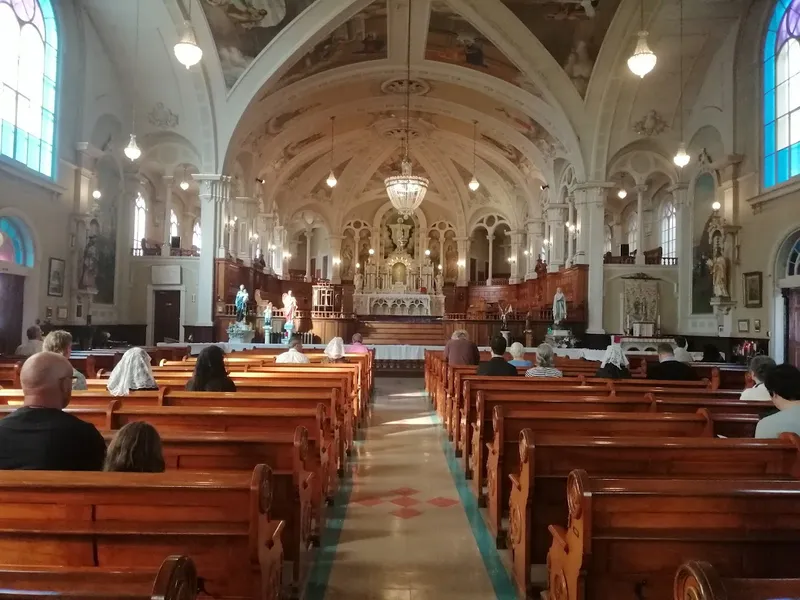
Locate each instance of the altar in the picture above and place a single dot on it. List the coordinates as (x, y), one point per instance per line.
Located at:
(405, 304)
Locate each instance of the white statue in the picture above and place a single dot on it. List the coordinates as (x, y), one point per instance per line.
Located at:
(358, 282)
(719, 274)
(504, 312)
(439, 283)
(559, 307)
(268, 314)
(289, 306)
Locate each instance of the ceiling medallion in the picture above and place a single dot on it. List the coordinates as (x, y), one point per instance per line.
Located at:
(418, 87)
(398, 133)
(651, 124)
(162, 117)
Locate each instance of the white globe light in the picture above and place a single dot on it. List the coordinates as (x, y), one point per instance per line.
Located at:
(132, 150)
(186, 50)
(184, 185)
(622, 194)
(474, 184)
(716, 206)
(331, 181)
(643, 60)
(97, 194)
(681, 159)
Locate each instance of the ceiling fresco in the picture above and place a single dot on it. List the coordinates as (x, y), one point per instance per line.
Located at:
(452, 39)
(362, 38)
(243, 28)
(571, 30)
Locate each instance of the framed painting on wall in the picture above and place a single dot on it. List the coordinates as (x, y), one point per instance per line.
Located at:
(744, 325)
(55, 277)
(752, 289)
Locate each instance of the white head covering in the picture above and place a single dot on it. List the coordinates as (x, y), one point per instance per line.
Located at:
(335, 348)
(615, 356)
(131, 373)
(291, 356)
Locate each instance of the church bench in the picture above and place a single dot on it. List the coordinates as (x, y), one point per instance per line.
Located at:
(724, 404)
(176, 579)
(293, 479)
(699, 580)
(624, 538)
(133, 520)
(529, 481)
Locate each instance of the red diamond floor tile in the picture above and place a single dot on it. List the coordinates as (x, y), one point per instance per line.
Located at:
(406, 513)
(369, 502)
(403, 492)
(404, 501)
(443, 502)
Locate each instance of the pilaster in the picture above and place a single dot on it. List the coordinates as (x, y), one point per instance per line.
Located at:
(555, 220)
(214, 193)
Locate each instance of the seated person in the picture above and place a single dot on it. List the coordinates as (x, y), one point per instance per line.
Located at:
(615, 364)
(60, 342)
(459, 350)
(758, 368)
(209, 372)
(136, 448)
(357, 347)
(517, 350)
(681, 352)
(132, 374)
(34, 343)
(545, 363)
(497, 365)
(669, 369)
(40, 435)
(334, 351)
(783, 384)
(293, 355)
(711, 354)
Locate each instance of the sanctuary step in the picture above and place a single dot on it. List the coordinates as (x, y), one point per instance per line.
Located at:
(400, 332)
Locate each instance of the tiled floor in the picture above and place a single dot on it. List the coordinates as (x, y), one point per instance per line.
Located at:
(404, 535)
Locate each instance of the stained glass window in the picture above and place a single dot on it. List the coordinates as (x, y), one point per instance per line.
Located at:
(197, 239)
(16, 245)
(633, 228)
(28, 76)
(173, 224)
(669, 229)
(139, 222)
(782, 94)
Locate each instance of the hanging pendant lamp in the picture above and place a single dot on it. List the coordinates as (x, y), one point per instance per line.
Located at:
(132, 150)
(681, 158)
(331, 181)
(186, 50)
(643, 59)
(474, 184)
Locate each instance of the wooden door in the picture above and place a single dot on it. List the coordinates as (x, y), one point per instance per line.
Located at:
(12, 296)
(166, 315)
(793, 318)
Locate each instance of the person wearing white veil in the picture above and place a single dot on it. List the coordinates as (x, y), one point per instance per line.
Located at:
(132, 374)
(614, 365)
(334, 351)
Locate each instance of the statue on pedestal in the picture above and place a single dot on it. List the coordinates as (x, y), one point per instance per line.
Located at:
(289, 309)
(439, 283)
(358, 282)
(240, 332)
(242, 297)
(504, 312)
(559, 307)
(529, 321)
(719, 274)
(268, 321)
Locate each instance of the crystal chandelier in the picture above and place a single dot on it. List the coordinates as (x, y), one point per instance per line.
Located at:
(186, 50)
(406, 191)
(643, 59)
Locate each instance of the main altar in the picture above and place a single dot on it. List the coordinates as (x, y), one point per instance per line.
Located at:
(404, 284)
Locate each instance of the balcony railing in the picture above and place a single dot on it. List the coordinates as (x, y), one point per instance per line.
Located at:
(651, 257)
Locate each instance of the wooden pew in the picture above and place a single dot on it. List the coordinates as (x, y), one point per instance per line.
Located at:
(176, 579)
(699, 580)
(131, 520)
(538, 465)
(625, 538)
(9, 372)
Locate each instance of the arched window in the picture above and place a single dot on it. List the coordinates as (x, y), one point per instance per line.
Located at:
(16, 245)
(632, 227)
(793, 264)
(28, 76)
(782, 94)
(669, 228)
(139, 222)
(197, 239)
(173, 224)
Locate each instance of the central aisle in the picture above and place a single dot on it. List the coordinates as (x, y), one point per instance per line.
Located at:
(403, 533)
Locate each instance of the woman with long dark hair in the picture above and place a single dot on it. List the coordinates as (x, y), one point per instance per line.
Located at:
(135, 449)
(209, 372)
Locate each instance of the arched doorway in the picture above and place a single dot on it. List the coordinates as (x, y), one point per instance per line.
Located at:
(17, 281)
(786, 326)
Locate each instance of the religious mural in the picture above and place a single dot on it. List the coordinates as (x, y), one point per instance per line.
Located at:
(243, 28)
(361, 39)
(571, 30)
(702, 248)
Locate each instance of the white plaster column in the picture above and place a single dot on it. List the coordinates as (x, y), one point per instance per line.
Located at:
(309, 274)
(277, 254)
(583, 223)
(214, 190)
(335, 242)
(165, 247)
(490, 238)
(592, 201)
(535, 229)
(683, 246)
(570, 232)
(555, 219)
(640, 190)
(462, 244)
(516, 243)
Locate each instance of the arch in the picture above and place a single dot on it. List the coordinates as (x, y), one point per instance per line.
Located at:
(16, 242)
(29, 75)
(787, 261)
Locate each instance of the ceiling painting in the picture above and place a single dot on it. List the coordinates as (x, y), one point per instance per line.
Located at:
(452, 39)
(243, 28)
(571, 30)
(362, 38)
(535, 133)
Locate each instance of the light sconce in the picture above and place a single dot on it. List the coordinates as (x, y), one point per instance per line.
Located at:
(440, 267)
(358, 265)
(527, 253)
(462, 263)
(337, 261)
(372, 251)
(271, 247)
(288, 255)
(622, 194)
(546, 242)
(716, 206)
(97, 194)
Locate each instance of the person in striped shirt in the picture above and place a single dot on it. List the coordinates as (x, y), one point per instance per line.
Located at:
(544, 363)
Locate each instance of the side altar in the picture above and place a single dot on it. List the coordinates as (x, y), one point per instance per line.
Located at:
(404, 284)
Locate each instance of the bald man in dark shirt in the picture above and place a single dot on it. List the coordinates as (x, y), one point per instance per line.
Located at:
(40, 435)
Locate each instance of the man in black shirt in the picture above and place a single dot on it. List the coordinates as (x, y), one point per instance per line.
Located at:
(40, 435)
(668, 368)
(497, 365)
